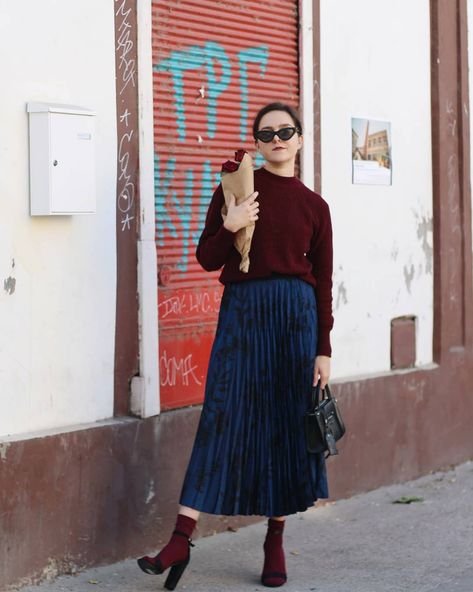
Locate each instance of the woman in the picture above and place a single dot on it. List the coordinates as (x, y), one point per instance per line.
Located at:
(272, 342)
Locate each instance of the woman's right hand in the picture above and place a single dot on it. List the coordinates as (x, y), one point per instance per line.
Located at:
(243, 215)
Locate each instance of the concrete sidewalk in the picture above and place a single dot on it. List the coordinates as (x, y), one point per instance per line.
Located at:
(363, 544)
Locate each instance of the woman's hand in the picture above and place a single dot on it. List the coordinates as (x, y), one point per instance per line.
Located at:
(322, 369)
(242, 215)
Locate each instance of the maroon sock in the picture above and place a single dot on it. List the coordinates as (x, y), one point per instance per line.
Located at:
(177, 549)
(274, 570)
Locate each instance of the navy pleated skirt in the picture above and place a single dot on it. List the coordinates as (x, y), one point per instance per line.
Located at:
(249, 455)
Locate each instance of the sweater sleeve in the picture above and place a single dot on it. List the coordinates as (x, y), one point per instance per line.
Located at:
(321, 257)
(216, 242)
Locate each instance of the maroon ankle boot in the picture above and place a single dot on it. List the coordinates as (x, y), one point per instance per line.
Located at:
(176, 554)
(274, 569)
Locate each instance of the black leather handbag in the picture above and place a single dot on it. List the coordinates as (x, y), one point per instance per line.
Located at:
(323, 422)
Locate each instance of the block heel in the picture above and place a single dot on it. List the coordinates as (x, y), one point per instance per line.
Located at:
(175, 574)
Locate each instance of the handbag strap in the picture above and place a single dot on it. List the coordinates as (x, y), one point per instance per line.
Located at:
(314, 400)
(326, 394)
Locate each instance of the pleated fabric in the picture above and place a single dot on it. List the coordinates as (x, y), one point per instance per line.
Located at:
(249, 455)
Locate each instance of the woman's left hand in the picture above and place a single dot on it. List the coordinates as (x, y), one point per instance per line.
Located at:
(322, 369)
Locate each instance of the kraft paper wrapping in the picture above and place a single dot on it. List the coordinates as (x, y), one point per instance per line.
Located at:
(241, 184)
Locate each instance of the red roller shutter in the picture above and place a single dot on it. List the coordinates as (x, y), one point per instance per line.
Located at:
(215, 63)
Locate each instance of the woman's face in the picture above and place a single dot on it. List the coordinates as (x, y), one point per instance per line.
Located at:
(277, 151)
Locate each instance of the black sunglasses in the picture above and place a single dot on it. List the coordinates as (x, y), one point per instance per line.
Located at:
(284, 134)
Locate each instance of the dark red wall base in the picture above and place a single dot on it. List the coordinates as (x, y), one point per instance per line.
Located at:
(94, 496)
(403, 425)
(109, 492)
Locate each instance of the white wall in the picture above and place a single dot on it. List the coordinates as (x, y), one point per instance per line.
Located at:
(57, 326)
(375, 63)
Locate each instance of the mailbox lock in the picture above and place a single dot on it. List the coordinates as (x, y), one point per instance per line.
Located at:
(54, 162)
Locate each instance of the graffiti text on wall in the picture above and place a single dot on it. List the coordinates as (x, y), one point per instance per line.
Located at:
(177, 214)
(208, 56)
(125, 46)
(126, 86)
(198, 304)
(177, 371)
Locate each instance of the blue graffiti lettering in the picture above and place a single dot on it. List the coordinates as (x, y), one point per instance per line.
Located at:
(181, 214)
(214, 51)
(177, 63)
(171, 210)
(259, 160)
(206, 189)
(193, 58)
(161, 190)
(256, 55)
(184, 213)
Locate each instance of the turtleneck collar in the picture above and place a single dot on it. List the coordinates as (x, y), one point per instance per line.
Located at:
(279, 178)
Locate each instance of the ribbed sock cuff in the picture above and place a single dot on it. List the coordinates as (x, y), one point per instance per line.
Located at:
(185, 524)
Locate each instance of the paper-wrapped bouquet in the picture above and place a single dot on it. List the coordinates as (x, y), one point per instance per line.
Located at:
(238, 180)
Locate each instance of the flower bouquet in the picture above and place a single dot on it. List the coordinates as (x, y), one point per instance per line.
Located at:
(238, 180)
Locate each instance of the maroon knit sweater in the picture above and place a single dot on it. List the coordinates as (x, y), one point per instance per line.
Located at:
(293, 236)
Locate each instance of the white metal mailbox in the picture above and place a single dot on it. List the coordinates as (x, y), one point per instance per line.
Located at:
(62, 159)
